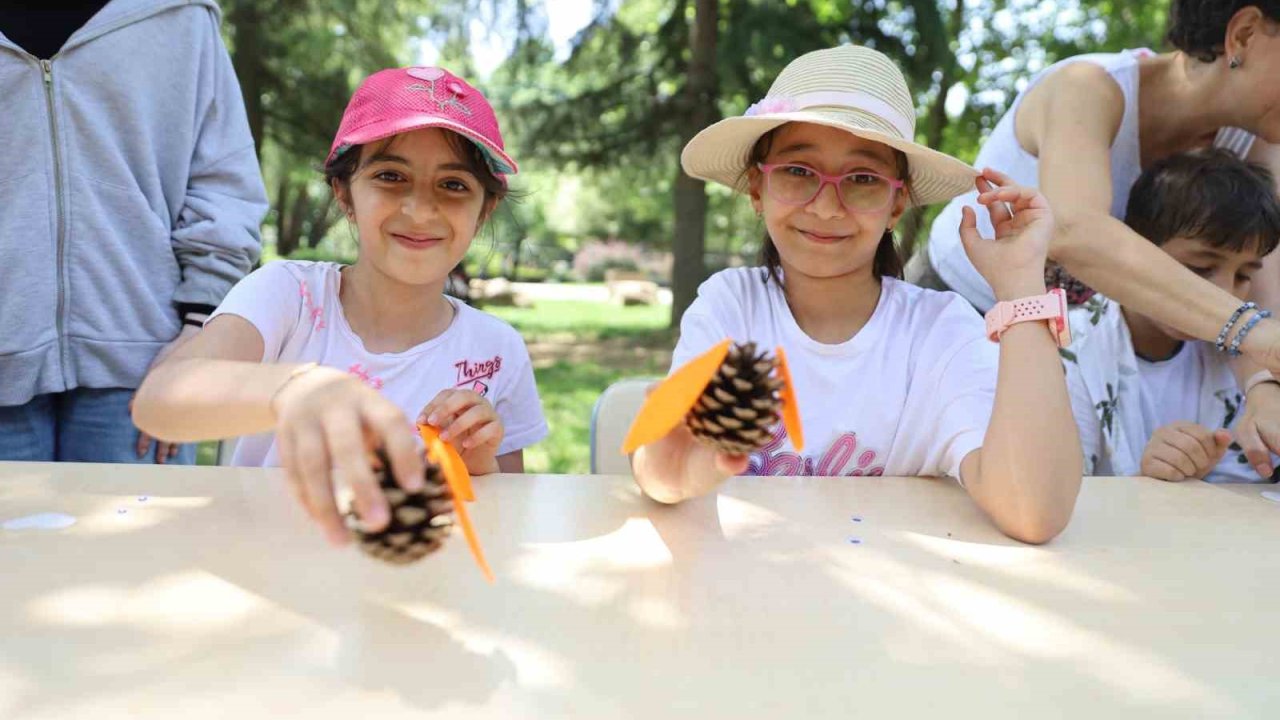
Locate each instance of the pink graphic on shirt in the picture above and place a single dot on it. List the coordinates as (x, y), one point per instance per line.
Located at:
(841, 458)
(314, 310)
(361, 372)
(471, 373)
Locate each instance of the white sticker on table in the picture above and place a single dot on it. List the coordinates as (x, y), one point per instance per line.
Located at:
(40, 521)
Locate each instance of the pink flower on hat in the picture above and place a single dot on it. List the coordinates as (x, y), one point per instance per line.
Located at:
(769, 106)
(426, 73)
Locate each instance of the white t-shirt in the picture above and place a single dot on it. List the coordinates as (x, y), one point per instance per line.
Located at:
(1120, 400)
(295, 306)
(910, 394)
(1170, 389)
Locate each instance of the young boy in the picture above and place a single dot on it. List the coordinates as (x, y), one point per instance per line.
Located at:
(1149, 400)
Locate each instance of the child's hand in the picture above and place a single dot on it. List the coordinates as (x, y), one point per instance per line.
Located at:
(1013, 262)
(470, 424)
(1183, 450)
(328, 424)
(678, 467)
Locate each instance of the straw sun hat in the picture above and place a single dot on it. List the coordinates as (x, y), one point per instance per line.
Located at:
(852, 88)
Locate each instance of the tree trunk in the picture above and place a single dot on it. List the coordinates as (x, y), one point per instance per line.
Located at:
(515, 256)
(690, 194)
(282, 214)
(936, 122)
(247, 59)
(321, 220)
(291, 230)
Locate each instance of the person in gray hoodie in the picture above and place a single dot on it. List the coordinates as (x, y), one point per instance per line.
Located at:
(130, 203)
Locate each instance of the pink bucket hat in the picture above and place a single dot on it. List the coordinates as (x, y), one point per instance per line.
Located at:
(390, 102)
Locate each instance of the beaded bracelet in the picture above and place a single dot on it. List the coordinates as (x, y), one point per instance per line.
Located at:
(1221, 344)
(1234, 350)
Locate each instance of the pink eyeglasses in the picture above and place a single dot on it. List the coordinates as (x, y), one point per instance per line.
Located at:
(859, 192)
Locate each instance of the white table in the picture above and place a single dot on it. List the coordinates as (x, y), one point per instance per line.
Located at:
(215, 598)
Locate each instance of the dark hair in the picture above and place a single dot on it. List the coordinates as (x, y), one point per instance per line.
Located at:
(1199, 27)
(888, 261)
(1209, 195)
(344, 166)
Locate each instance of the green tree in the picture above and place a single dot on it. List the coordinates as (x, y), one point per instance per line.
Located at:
(608, 123)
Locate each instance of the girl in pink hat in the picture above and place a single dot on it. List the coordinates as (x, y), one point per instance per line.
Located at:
(890, 378)
(320, 364)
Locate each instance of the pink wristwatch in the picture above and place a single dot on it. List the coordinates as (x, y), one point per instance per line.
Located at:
(1051, 306)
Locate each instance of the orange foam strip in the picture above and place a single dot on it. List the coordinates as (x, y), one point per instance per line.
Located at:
(469, 532)
(671, 400)
(790, 409)
(450, 461)
(459, 481)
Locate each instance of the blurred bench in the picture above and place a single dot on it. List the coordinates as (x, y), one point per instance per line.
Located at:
(627, 287)
(496, 292)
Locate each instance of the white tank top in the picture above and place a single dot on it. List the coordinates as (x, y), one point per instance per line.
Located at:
(1003, 152)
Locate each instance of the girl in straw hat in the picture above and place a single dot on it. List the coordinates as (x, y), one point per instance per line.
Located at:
(891, 379)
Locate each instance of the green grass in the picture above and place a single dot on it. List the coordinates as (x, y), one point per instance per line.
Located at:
(569, 388)
(569, 391)
(593, 319)
(207, 453)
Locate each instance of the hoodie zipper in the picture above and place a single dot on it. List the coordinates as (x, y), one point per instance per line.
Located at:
(47, 67)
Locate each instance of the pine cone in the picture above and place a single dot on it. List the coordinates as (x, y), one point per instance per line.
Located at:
(419, 521)
(741, 403)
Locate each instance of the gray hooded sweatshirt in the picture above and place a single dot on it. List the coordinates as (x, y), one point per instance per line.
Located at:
(128, 183)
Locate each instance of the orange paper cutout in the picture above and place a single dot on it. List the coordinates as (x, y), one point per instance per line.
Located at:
(790, 410)
(450, 461)
(672, 399)
(459, 481)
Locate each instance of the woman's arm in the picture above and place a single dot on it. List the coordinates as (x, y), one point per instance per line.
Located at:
(1258, 431)
(1073, 146)
(1266, 283)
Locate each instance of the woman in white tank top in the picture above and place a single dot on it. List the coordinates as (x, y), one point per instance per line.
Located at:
(1003, 151)
(1082, 130)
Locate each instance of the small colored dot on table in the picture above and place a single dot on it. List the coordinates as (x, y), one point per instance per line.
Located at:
(855, 541)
